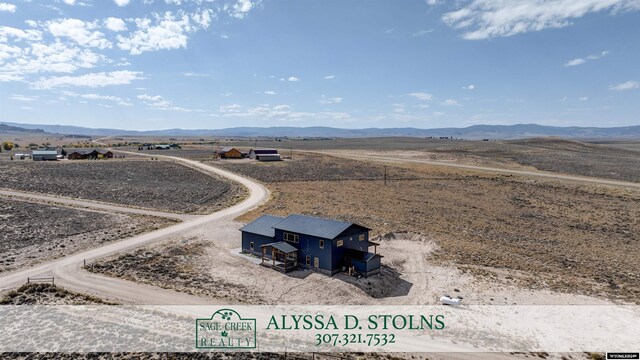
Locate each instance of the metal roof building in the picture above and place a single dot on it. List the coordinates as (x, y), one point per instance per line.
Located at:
(325, 245)
(44, 155)
(264, 154)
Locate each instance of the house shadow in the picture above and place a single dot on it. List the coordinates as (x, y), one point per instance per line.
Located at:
(388, 283)
(299, 273)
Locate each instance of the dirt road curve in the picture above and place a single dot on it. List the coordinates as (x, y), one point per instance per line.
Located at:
(542, 174)
(69, 273)
(91, 204)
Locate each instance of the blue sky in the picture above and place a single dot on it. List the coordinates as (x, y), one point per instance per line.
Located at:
(143, 64)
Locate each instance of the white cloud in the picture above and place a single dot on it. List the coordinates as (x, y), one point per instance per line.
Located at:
(57, 57)
(159, 103)
(333, 100)
(580, 61)
(584, 98)
(293, 79)
(241, 8)
(469, 87)
(629, 85)
(195, 74)
(19, 97)
(7, 32)
(92, 80)
(115, 24)
(79, 31)
(269, 92)
(69, 2)
(233, 108)
(10, 77)
(121, 2)
(483, 19)
(7, 7)
(575, 62)
(450, 102)
(169, 32)
(421, 33)
(202, 18)
(389, 31)
(115, 99)
(421, 96)
(329, 77)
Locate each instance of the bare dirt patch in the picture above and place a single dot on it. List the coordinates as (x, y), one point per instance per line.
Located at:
(179, 266)
(31, 233)
(161, 185)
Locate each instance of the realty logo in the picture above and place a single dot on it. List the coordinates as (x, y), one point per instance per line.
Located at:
(225, 329)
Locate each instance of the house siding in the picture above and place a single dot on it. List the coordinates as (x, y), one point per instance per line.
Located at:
(258, 240)
(331, 258)
(310, 245)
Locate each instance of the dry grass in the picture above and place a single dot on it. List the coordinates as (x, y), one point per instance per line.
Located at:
(48, 294)
(31, 232)
(159, 185)
(564, 237)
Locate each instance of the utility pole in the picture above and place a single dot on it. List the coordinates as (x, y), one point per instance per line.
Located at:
(291, 156)
(385, 175)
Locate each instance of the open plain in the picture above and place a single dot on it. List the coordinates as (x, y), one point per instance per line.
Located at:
(31, 233)
(497, 238)
(161, 185)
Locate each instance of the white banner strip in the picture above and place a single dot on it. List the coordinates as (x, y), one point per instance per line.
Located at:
(569, 328)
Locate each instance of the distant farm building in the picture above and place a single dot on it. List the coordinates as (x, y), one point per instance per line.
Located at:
(44, 155)
(299, 241)
(89, 154)
(264, 155)
(229, 153)
(162, 147)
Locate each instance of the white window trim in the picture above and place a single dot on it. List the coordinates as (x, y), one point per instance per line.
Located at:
(296, 237)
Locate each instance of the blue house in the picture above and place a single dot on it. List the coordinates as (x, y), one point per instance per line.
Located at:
(299, 241)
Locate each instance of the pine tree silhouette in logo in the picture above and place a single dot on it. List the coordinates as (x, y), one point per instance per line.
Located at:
(224, 334)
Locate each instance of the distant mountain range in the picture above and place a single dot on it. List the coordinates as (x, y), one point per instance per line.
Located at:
(518, 131)
(4, 128)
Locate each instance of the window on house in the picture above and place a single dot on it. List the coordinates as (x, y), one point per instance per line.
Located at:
(294, 238)
(321, 244)
(251, 246)
(308, 260)
(339, 243)
(361, 237)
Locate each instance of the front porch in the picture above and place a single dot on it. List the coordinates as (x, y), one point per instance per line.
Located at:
(284, 257)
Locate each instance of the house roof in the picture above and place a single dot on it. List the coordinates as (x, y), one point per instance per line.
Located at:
(263, 225)
(265, 151)
(314, 226)
(86, 152)
(282, 246)
(227, 149)
(45, 152)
